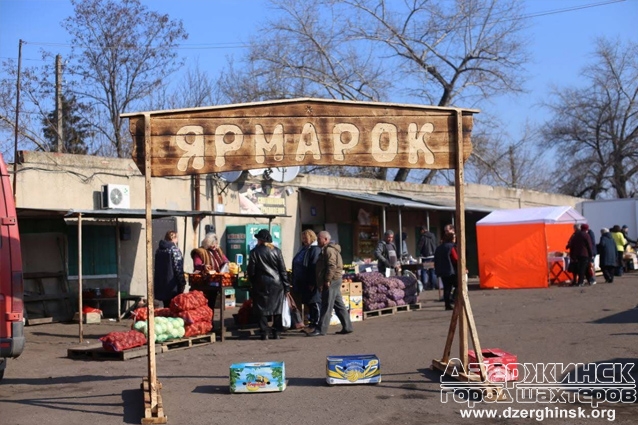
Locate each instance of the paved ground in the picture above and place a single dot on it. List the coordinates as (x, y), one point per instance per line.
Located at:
(588, 325)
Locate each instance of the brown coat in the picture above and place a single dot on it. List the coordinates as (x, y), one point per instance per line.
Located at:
(329, 264)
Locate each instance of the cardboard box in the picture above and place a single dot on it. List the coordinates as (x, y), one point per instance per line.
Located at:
(501, 366)
(356, 314)
(230, 301)
(88, 318)
(345, 287)
(355, 369)
(257, 377)
(334, 320)
(356, 288)
(356, 302)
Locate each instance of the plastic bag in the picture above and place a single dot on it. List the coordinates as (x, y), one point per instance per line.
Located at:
(285, 314)
(296, 322)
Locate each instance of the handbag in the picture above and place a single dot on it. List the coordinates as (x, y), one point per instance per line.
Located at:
(296, 322)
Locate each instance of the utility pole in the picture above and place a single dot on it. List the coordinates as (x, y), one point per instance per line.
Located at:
(58, 102)
(15, 142)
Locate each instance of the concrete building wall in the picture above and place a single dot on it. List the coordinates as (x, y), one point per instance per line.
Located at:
(63, 181)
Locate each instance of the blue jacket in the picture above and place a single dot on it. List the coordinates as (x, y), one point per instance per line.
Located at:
(607, 250)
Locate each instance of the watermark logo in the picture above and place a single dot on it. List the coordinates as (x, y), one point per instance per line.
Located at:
(546, 383)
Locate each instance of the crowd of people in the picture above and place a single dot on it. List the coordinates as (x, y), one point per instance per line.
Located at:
(610, 249)
(316, 279)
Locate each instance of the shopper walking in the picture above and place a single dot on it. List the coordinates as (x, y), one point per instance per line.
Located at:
(329, 271)
(607, 255)
(269, 278)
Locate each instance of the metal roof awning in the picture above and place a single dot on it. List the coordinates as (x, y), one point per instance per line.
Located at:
(129, 213)
(370, 198)
(442, 204)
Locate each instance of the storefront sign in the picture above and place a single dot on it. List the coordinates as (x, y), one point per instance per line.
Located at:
(300, 132)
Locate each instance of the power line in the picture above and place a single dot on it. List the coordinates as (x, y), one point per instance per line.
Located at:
(570, 9)
(235, 45)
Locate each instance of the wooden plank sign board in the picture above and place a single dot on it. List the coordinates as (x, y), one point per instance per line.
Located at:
(299, 132)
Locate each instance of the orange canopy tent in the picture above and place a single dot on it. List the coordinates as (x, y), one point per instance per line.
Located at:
(514, 245)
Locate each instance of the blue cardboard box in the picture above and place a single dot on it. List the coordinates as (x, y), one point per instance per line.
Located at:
(257, 377)
(354, 369)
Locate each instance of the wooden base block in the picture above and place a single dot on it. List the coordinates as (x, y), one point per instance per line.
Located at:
(153, 414)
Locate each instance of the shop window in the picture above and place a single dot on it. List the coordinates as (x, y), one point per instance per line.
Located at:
(98, 250)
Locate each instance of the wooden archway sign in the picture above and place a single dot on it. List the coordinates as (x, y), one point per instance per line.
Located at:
(303, 132)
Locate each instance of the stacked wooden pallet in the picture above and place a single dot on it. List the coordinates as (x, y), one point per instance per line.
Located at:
(391, 310)
(97, 352)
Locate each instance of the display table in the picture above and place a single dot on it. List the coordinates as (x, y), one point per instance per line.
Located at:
(558, 270)
(125, 302)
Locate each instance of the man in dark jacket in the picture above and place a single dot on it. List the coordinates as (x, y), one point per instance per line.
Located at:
(329, 271)
(168, 276)
(580, 252)
(386, 255)
(269, 278)
(607, 255)
(426, 247)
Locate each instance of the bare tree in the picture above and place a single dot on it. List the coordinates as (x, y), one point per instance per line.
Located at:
(463, 50)
(499, 160)
(594, 128)
(196, 88)
(33, 106)
(428, 51)
(121, 53)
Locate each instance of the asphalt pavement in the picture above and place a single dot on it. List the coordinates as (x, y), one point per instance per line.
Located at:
(588, 325)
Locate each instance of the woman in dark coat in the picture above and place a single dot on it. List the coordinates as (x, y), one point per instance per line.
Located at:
(168, 276)
(607, 255)
(304, 280)
(269, 279)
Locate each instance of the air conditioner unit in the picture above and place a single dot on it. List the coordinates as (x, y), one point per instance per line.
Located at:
(116, 196)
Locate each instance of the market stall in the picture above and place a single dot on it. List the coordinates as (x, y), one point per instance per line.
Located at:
(517, 247)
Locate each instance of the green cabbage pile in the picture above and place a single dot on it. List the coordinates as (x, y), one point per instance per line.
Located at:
(165, 328)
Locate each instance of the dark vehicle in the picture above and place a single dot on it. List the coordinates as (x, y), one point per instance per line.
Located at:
(11, 287)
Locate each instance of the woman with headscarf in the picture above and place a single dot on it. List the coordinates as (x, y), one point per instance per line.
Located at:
(304, 280)
(269, 279)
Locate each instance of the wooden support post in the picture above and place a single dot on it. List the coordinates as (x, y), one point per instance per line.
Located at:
(153, 411)
(118, 250)
(222, 307)
(462, 313)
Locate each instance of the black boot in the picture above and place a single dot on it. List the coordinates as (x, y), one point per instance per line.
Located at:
(275, 334)
(264, 336)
